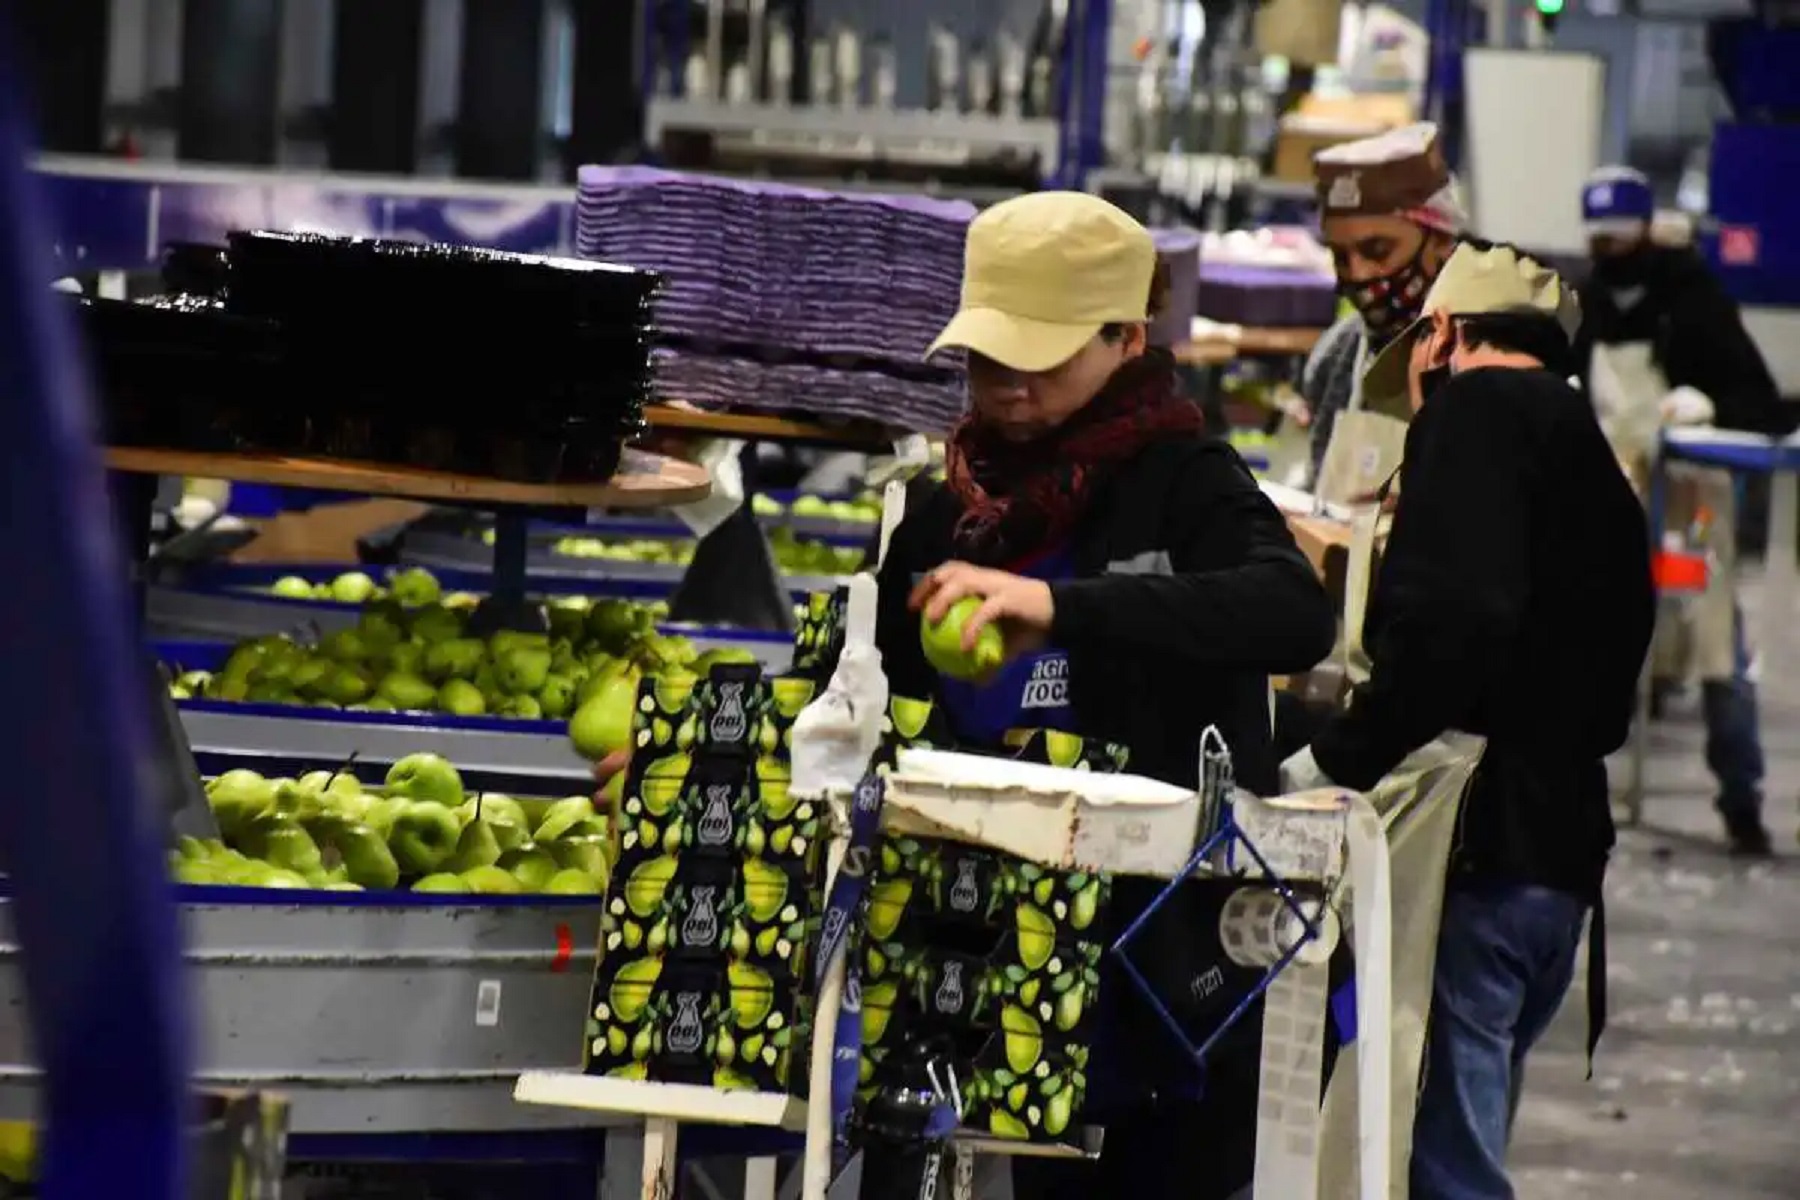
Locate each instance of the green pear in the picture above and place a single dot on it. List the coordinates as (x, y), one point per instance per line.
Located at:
(531, 865)
(591, 854)
(522, 670)
(426, 777)
(522, 707)
(298, 799)
(458, 658)
(406, 691)
(572, 883)
(942, 642)
(382, 627)
(441, 883)
(408, 658)
(562, 817)
(345, 685)
(200, 871)
(380, 814)
(423, 836)
(505, 814)
(477, 847)
(557, 697)
(359, 852)
(460, 698)
(415, 587)
(344, 646)
(352, 587)
(305, 677)
(503, 640)
(613, 624)
(720, 656)
(436, 623)
(292, 587)
(237, 797)
(602, 725)
(343, 785)
(278, 877)
(491, 880)
(279, 840)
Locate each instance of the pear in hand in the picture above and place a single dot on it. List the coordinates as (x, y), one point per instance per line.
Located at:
(942, 642)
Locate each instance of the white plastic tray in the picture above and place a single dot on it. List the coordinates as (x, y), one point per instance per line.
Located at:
(1052, 815)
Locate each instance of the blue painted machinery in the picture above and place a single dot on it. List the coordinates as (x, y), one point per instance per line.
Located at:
(1754, 241)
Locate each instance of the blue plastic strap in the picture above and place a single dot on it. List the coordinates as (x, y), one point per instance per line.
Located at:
(846, 897)
(1343, 1012)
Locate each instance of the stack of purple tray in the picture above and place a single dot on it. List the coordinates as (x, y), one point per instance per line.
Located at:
(821, 289)
(1267, 297)
(925, 404)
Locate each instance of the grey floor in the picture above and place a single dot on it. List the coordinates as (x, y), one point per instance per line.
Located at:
(1696, 1091)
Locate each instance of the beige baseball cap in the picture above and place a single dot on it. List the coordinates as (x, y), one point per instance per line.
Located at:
(1042, 273)
(1498, 279)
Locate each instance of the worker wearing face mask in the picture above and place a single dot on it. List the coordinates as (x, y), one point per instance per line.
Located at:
(1663, 345)
(1391, 215)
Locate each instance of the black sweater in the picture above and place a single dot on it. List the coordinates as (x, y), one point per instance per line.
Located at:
(1514, 601)
(1698, 339)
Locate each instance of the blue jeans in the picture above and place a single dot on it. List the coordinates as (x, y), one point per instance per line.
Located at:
(1734, 752)
(1506, 956)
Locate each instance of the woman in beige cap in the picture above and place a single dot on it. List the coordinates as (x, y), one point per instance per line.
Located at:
(1146, 590)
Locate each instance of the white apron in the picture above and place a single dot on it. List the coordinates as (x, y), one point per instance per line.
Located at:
(1419, 802)
(1694, 634)
(1365, 447)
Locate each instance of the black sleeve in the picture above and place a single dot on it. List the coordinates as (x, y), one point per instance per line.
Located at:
(1705, 346)
(1452, 586)
(1235, 592)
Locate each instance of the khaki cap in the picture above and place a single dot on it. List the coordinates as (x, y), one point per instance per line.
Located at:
(1498, 279)
(1042, 273)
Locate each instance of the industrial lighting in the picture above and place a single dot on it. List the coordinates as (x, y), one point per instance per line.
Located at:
(1550, 8)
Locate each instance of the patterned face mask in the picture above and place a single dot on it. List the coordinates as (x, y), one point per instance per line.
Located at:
(1388, 302)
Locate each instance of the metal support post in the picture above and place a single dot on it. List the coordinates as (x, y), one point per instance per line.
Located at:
(376, 64)
(65, 51)
(612, 72)
(230, 79)
(499, 115)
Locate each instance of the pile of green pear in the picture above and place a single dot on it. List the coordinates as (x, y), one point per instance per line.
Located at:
(413, 587)
(418, 830)
(423, 659)
(793, 555)
(864, 509)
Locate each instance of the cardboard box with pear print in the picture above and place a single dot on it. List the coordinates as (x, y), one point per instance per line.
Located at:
(704, 948)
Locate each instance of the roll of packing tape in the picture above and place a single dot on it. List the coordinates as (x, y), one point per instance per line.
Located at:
(1257, 927)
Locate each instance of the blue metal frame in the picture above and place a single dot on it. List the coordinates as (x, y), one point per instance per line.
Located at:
(1229, 836)
(98, 929)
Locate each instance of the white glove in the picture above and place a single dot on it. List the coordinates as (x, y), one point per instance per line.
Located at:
(1300, 773)
(1686, 406)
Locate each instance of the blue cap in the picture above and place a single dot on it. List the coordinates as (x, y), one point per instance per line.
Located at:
(1616, 200)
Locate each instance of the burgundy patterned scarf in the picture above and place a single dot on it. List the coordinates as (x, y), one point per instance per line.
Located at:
(1022, 497)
